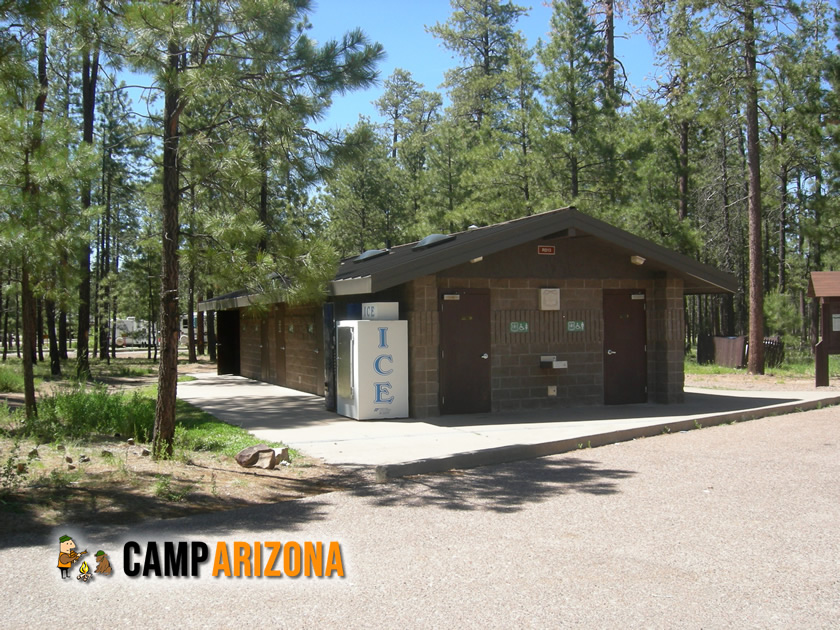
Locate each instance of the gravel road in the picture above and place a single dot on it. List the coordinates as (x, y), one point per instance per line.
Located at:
(727, 527)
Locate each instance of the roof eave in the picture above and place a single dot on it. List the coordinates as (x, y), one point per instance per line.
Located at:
(351, 286)
(230, 304)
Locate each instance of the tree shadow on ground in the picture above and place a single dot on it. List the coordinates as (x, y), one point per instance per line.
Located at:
(500, 488)
(503, 488)
(288, 515)
(110, 513)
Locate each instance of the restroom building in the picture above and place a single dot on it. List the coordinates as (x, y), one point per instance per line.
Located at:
(552, 310)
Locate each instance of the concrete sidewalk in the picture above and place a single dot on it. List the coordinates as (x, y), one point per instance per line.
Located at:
(406, 447)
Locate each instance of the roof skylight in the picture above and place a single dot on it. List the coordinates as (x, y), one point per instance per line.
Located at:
(370, 255)
(434, 239)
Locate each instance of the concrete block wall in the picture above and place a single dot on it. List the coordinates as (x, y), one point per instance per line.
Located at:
(517, 380)
(304, 349)
(420, 308)
(250, 352)
(666, 340)
(283, 346)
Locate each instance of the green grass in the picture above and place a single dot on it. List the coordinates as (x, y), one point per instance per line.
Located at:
(692, 367)
(197, 430)
(77, 411)
(11, 380)
(797, 366)
(11, 370)
(82, 411)
(166, 490)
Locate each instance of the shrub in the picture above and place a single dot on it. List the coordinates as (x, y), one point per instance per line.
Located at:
(11, 381)
(781, 314)
(80, 410)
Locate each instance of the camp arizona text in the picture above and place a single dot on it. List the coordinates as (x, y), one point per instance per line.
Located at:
(237, 559)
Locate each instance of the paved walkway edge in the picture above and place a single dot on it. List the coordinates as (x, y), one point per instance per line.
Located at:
(517, 452)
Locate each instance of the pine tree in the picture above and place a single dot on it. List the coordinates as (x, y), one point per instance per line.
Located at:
(362, 195)
(508, 168)
(411, 114)
(232, 46)
(574, 61)
(481, 33)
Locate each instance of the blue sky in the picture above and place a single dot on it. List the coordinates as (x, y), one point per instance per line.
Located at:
(400, 26)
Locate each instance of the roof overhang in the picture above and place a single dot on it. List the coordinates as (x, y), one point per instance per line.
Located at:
(824, 284)
(231, 301)
(404, 263)
(352, 286)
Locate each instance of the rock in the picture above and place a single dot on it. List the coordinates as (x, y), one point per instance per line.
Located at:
(21, 468)
(84, 459)
(33, 454)
(59, 447)
(248, 457)
(266, 460)
(130, 441)
(68, 459)
(106, 453)
(282, 454)
(145, 452)
(71, 467)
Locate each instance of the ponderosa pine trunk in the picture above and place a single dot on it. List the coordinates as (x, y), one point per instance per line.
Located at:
(755, 358)
(28, 306)
(164, 432)
(190, 321)
(90, 70)
(199, 333)
(683, 173)
(31, 194)
(55, 357)
(211, 332)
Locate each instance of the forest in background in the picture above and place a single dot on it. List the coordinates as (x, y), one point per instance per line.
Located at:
(218, 176)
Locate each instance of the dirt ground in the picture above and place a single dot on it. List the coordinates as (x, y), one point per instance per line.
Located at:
(107, 480)
(110, 481)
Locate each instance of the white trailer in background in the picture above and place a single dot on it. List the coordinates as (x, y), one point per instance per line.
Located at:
(131, 332)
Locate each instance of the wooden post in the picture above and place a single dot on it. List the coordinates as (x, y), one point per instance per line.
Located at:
(822, 349)
(821, 364)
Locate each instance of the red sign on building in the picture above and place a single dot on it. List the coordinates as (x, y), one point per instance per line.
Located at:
(546, 250)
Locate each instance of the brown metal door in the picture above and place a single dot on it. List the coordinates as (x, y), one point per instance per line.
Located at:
(266, 366)
(464, 351)
(227, 344)
(280, 345)
(625, 355)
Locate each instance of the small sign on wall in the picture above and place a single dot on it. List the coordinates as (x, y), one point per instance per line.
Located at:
(519, 327)
(549, 299)
(835, 323)
(572, 326)
(546, 250)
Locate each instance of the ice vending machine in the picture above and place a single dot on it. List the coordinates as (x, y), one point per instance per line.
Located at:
(372, 369)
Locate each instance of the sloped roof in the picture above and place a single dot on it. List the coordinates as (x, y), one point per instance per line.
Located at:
(235, 299)
(406, 262)
(242, 297)
(824, 284)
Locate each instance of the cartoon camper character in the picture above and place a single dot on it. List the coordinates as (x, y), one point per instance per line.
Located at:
(102, 564)
(67, 555)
